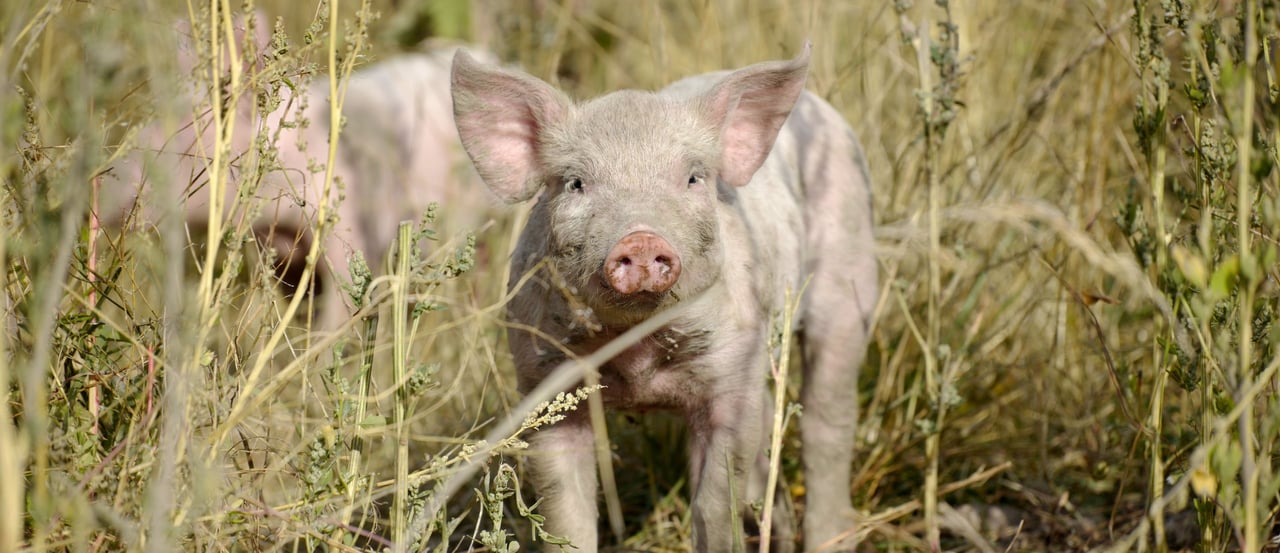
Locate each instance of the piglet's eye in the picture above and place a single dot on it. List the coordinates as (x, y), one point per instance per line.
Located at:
(573, 184)
(695, 180)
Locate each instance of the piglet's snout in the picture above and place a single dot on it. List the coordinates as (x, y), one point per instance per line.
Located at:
(642, 262)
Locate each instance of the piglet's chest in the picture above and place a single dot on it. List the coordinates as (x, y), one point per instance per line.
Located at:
(660, 372)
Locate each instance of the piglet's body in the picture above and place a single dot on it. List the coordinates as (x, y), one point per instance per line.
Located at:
(722, 192)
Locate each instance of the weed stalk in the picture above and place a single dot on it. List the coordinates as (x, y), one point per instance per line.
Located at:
(779, 373)
(399, 317)
(1250, 271)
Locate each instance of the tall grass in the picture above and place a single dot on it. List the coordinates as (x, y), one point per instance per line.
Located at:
(1077, 206)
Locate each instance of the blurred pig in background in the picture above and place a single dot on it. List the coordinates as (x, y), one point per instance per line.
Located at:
(398, 152)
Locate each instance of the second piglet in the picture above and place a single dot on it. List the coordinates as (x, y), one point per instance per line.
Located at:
(397, 153)
(722, 192)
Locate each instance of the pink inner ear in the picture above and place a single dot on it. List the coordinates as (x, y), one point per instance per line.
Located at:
(513, 144)
(750, 131)
(508, 145)
(742, 150)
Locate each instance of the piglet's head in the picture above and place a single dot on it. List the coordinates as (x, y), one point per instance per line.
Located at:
(633, 184)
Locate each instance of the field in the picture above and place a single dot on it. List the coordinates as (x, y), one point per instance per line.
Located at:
(1075, 349)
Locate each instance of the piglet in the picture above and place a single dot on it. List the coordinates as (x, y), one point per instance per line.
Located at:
(721, 192)
(397, 153)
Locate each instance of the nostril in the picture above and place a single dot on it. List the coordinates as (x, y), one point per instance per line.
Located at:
(662, 259)
(624, 261)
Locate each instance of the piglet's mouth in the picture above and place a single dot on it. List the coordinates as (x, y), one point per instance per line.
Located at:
(614, 308)
(639, 299)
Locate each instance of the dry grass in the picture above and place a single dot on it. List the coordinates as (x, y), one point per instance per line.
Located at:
(1075, 229)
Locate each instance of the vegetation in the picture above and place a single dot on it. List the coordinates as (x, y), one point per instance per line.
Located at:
(1078, 207)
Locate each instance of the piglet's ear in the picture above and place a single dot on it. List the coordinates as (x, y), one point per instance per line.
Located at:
(750, 105)
(501, 116)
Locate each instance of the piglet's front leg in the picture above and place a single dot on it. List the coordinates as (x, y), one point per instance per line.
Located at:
(726, 435)
(563, 469)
